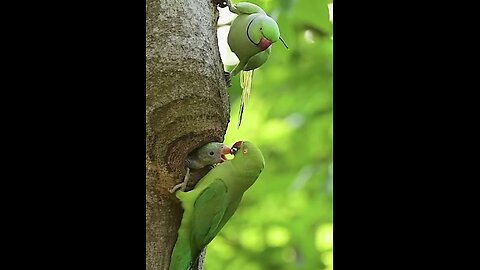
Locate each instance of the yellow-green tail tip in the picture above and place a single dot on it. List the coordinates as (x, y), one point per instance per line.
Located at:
(246, 78)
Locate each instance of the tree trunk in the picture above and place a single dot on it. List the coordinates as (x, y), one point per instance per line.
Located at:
(186, 106)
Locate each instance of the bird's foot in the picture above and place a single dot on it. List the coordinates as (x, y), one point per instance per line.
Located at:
(182, 186)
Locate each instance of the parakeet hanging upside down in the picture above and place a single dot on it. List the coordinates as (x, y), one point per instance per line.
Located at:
(212, 202)
(208, 154)
(250, 36)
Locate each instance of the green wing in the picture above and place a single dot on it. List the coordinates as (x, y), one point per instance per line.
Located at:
(258, 59)
(208, 212)
(246, 8)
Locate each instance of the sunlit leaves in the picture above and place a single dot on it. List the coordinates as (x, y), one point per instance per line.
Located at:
(314, 15)
(285, 219)
(324, 237)
(277, 236)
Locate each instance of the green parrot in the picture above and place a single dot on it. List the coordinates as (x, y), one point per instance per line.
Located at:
(206, 155)
(213, 201)
(250, 36)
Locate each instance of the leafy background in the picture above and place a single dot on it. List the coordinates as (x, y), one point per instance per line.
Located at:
(285, 218)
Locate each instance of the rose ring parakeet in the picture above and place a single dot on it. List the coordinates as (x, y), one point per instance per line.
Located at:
(206, 155)
(213, 201)
(250, 36)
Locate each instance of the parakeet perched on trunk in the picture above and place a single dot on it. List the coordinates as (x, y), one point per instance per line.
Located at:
(212, 202)
(250, 36)
(206, 155)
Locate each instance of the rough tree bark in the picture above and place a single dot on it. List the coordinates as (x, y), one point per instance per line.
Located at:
(186, 106)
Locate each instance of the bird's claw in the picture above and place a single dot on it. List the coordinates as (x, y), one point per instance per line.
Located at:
(180, 186)
(183, 185)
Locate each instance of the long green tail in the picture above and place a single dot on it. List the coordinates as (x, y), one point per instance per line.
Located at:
(181, 255)
(246, 78)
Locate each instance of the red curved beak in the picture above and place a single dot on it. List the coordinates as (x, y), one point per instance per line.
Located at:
(264, 44)
(225, 151)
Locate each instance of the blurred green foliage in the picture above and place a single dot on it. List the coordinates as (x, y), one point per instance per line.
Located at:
(285, 218)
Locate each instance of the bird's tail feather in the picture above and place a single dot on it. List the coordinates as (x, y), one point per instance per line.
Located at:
(181, 255)
(246, 78)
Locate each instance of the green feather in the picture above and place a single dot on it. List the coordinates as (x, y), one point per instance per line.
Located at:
(250, 34)
(244, 8)
(209, 206)
(246, 78)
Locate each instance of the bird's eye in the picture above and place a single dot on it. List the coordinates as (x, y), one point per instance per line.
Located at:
(261, 28)
(211, 153)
